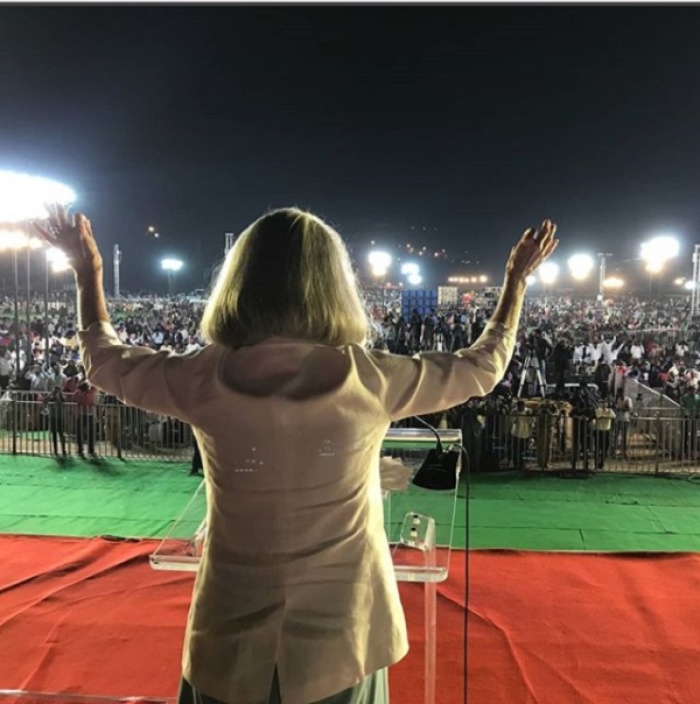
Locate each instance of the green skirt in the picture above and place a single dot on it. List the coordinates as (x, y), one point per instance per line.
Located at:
(372, 690)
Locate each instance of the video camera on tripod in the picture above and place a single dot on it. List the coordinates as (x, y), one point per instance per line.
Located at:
(531, 375)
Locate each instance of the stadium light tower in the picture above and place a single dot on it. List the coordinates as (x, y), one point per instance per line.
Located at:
(580, 266)
(656, 253)
(22, 198)
(548, 273)
(171, 267)
(379, 263)
(603, 257)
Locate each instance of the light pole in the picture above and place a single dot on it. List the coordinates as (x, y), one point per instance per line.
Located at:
(548, 273)
(694, 297)
(656, 253)
(601, 273)
(171, 267)
(56, 261)
(116, 261)
(580, 266)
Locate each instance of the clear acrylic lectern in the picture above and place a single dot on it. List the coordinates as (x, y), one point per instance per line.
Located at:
(421, 542)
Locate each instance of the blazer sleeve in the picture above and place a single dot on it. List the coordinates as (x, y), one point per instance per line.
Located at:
(138, 376)
(435, 381)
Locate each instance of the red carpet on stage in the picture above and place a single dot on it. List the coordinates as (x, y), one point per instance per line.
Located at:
(562, 628)
(91, 617)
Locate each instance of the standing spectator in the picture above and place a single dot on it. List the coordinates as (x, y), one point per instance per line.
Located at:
(55, 407)
(430, 323)
(561, 360)
(602, 426)
(416, 327)
(637, 351)
(582, 412)
(85, 397)
(521, 430)
(690, 411)
(7, 367)
(546, 417)
(623, 416)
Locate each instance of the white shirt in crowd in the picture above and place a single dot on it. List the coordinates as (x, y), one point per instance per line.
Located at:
(296, 571)
(637, 351)
(7, 365)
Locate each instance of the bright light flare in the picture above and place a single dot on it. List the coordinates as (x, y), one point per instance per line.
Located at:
(689, 285)
(613, 282)
(379, 263)
(16, 239)
(409, 269)
(414, 279)
(657, 251)
(379, 259)
(57, 259)
(483, 279)
(173, 265)
(23, 197)
(531, 279)
(580, 266)
(548, 272)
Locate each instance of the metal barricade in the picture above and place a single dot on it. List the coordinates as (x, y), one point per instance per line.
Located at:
(653, 443)
(655, 440)
(31, 424)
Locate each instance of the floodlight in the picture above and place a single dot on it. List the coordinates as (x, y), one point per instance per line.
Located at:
(379, 260)
(23, 197)
(689, 285)
(173, 265)
(57, 259)
(414, 279)
(531, 279)
(548, 272)
(580, 266)
(409, 268)
(11, 239)
(657, 251)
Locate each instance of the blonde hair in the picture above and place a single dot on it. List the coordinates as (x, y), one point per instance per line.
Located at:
(287, 275)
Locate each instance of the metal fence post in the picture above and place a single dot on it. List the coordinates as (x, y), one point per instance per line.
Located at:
(13, 408)
(658, 441)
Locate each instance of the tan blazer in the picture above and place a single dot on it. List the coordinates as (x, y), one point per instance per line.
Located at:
(296, 572)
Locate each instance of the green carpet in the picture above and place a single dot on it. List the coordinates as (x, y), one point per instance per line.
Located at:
(607, 512)
(41, 496)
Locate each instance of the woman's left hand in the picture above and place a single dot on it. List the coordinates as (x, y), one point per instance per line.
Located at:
(72, 234)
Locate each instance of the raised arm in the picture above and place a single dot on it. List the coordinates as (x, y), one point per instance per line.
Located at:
(136, 375)
(73, 235)
(434, 381)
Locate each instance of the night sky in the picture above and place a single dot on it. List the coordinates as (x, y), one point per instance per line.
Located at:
(470, 122)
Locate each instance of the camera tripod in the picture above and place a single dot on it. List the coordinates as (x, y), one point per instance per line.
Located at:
(531, 367)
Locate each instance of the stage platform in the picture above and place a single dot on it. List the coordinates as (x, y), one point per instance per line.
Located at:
(86, 616)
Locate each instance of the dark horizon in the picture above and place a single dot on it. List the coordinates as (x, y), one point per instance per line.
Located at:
(471, 122)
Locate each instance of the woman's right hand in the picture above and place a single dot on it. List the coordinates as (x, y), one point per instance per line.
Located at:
(72, 234)
(534, 247)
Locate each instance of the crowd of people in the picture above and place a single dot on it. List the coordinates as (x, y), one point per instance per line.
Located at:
(564, 339)
(561, 342)
(45, 371)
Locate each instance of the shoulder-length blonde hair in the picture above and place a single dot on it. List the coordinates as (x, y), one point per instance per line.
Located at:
(287, 275)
